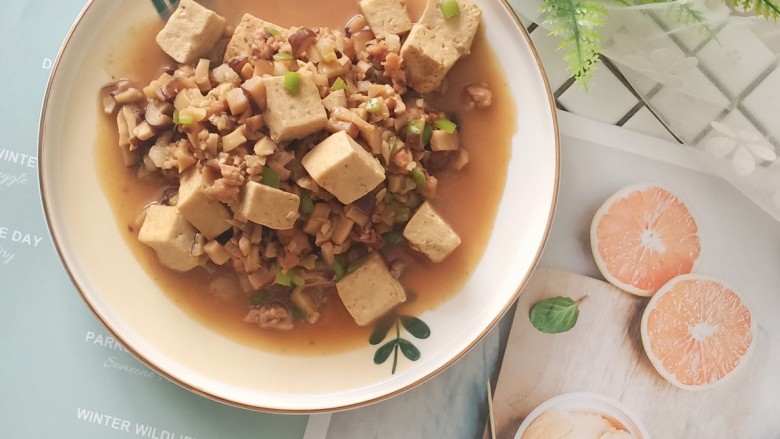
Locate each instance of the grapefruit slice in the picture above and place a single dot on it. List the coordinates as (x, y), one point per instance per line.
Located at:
(642, 237)
(697, 331)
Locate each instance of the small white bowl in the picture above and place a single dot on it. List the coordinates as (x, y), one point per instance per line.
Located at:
(588, 402)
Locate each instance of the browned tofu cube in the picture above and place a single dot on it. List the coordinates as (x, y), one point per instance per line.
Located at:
(171, 236)
(343, 167)
(209, 216)
(370, 291)
(291, 116)
(242, 42)
(190, 32)
(386, 17)
(428, 233)
(269, 206)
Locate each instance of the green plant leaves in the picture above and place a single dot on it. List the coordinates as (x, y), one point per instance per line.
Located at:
(381, 328)
(555, 315)
(415, 326)
(383, 353)
(408, 349)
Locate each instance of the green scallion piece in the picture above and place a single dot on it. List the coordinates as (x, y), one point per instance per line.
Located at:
(288, 278)
(402, 214)
(273, 31)
(292, 82)
(298, 314)
(418, 177)
(306, 204)
(354, 266)
(374, 105)
(270, 177)
(260, 297)
(445, 125)
(416, 126)
(426, 135)
(338, 270)
(283, 56)
(449, 9)
(338, 84)
(182, 119)
(296, 280)
(393, 238)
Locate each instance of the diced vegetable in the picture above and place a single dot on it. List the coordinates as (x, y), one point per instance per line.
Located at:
(259, 298)
(182, 119)
(292, 82)
(418, 177)
(307, 206)
(273, 31)
(338, 84)
(449, 8)
(445, 125)
(270, 177)
(288, 278)
(416, 126)
(374, 105)
(392, 237)
(283, 56)
(339, 270)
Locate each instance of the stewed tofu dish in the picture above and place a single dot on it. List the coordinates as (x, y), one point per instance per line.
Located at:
(298, 177)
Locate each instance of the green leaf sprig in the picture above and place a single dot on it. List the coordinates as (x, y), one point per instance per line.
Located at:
(555, 315)
(414, 326)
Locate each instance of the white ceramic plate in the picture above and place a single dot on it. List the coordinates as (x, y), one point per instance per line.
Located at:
(156, 330)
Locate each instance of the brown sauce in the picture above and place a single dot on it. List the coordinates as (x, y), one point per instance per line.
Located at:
(468, 199)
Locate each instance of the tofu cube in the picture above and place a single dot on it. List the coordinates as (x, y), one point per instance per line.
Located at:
(370, 291)
(271, 207)
(343, 167)
(171, 236)
(458, 31)
(428, 57)
(191, 32)
(386, 17)
(293, 117)
(436, 43)
(429, 234)
(242, 43)
(209, 216)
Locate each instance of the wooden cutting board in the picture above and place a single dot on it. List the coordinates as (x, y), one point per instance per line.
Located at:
(603, 353)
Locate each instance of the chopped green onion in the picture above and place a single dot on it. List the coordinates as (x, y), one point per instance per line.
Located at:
(445, 125)
(259, 297)
(338, 84)
(288, 278)
(298, 314)
(374, 105)
(402, 214)
(297, 280)
(270, 177)
(182, 119)
(306, 204)
(338, 270)
(391, 144)
(273, 31)
(354, 266)
(416, 126)
(393, 238)
(449, 9)
(426, 135)
(292, 82)
(283, 56)
(418, 177)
